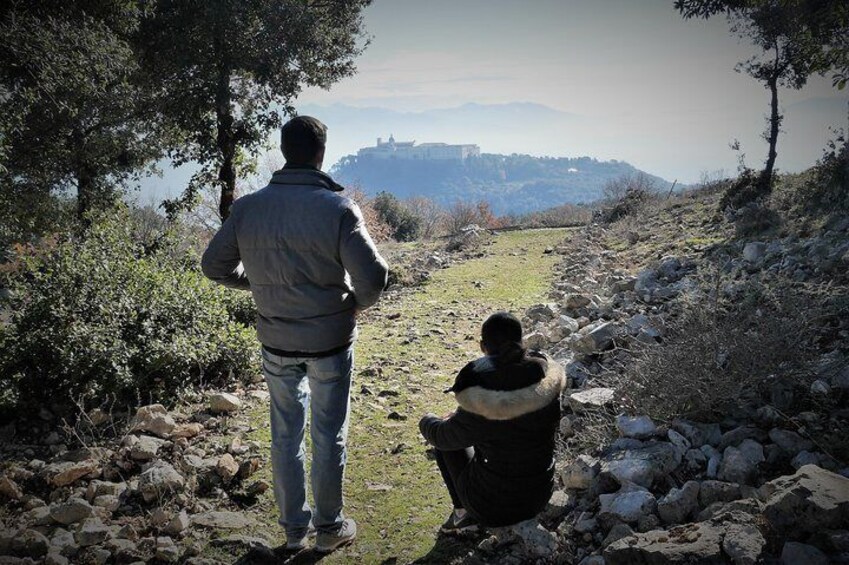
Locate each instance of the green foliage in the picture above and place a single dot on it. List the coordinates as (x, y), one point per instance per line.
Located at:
(404, 225)
(829, 189)
(227, 71)
(74, 114)
(97, 317)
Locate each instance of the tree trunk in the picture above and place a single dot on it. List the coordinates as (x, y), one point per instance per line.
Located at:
(772, 138)
(85, 179)
(85, 195)
(226, 143)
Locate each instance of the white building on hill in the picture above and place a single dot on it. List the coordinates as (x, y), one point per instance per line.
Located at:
(426, 151)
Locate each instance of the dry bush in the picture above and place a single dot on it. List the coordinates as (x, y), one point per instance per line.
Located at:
(618, 188)
(719, 357)
(559, 216)
(430, 214)
(463, 214)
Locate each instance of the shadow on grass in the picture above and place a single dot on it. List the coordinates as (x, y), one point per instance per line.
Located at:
(447, 549)
(279, 555)
(451, 549)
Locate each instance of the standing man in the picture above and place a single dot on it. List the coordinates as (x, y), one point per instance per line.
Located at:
(304, 253)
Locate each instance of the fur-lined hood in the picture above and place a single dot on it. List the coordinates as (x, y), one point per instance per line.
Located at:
(507, 392)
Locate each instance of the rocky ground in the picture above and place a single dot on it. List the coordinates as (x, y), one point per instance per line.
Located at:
(643, 476)
(758, 483)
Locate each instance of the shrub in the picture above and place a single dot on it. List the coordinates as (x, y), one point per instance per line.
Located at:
(829, 189)
(96, 316)
(750, 186)
(755, 218)
(632, 202)
(718, 357)
(404, 224)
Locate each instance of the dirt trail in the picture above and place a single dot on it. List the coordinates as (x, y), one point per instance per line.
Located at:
(409, 350)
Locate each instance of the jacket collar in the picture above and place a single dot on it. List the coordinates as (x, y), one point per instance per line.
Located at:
(509, 404)
(305, 176)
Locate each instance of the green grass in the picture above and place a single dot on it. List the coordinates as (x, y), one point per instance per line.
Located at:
(410, 347)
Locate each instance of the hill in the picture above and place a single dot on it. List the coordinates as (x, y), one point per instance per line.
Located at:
(509, 183)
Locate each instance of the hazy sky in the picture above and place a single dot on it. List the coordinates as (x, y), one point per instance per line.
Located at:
(659, 91)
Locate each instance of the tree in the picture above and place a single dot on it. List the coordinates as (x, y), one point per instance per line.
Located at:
(228, 70)
(798, 38)
(74, 114)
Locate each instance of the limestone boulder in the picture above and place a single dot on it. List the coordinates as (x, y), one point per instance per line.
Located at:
(580, 473)
(692, 543)
(591, 398)
(155, 419)
(679, 503)
(224, 402)
(158, 480)
(811, 500)
(641, 465)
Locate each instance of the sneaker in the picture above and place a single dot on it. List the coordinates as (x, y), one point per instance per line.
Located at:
(299, 543)
(463, 525)
(329, 541)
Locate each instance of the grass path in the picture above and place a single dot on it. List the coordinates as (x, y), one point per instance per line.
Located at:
(409, 350)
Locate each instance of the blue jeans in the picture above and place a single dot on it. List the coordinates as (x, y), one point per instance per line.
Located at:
(323, 384)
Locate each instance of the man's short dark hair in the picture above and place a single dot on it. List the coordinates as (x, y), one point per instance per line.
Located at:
(301, 138)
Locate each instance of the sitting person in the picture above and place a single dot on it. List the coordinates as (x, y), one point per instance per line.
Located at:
(496, 452)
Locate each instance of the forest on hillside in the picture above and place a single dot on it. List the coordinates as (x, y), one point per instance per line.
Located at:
(510, 184)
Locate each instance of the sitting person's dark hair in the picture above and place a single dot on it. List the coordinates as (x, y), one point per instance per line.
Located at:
(501, 337)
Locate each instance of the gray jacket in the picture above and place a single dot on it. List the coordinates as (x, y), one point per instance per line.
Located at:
(304, 253)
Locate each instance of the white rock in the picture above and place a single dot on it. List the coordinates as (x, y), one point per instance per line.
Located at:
(678, 504)
(591, 398)
(629, 504)
(743, 543)
(155, 419)
(596, 340)
(92, 532)
(71, 511)
(580, 473)
(158, 480)
(638, 427)
(736, 467)
(536, 340)
(146, 448)
(224, 402)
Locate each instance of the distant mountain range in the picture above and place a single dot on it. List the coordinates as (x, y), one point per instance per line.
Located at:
(509, 183)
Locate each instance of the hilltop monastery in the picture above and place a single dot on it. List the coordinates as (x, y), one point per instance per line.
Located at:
(392, 149)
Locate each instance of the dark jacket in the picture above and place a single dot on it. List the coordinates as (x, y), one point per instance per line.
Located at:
(510, 415)
(303, 251)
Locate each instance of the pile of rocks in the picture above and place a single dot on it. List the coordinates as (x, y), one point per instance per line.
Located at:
(149, 498)
(628, 504)
(736, 491)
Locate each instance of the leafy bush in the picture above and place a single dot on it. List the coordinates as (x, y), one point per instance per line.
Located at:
(830, 185)
(97, 316)
(404, 224)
